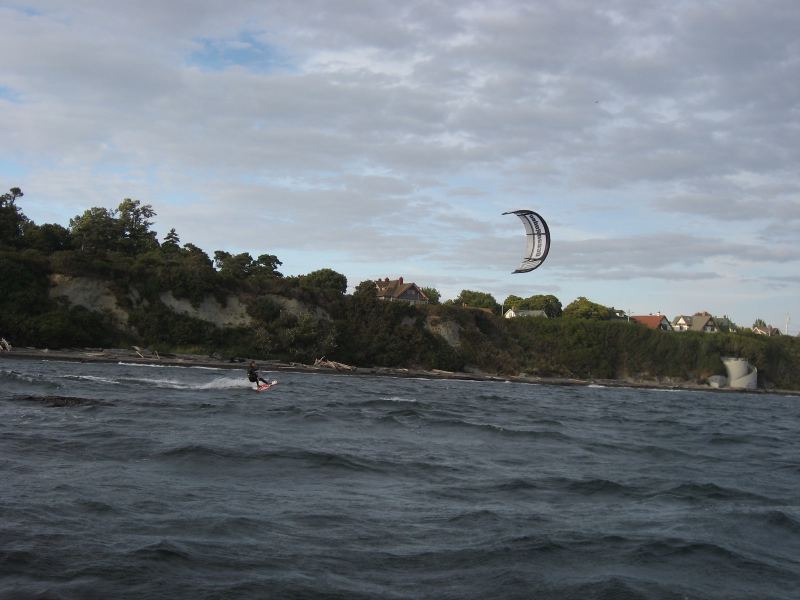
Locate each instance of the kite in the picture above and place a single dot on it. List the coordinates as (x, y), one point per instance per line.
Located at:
(538, 239)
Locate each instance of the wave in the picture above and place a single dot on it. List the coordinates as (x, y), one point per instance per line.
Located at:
(778, 518)
(200, 453)
(222, 383)
(182, 384)
(503, 430)
(773, 519)
(476, 518)
(90, 378)
(16, 376)
(593, 487)
(623, 588)
(163, 551)
(399, 399)
(704, 492)
(170, 366)
(203, 455)
(389, 402)
(61, 401)
(677, 547)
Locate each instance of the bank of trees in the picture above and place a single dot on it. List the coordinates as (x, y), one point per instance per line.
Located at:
(309, 316)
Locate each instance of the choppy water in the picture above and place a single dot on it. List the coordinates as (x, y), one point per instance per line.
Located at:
(184, 483)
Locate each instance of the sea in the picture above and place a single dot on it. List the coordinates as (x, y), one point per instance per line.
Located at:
(178, 482)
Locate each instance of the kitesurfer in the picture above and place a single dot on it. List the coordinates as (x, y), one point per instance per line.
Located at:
(252, 374)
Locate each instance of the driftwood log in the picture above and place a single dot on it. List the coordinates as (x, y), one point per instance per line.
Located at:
(331, 364)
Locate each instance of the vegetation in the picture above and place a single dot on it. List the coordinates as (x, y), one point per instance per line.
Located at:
(548, 303)
(473, 299)
(583, 308)
(310, 316)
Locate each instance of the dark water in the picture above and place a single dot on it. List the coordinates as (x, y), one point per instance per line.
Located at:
(184, 483)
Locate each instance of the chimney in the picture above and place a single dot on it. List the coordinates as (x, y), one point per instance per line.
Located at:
(400, 280)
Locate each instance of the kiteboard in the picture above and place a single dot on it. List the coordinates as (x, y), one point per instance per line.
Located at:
(263, 387)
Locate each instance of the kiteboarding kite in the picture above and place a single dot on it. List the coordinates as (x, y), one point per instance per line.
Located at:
(538, 238)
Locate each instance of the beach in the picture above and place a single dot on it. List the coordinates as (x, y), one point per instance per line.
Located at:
(136, 355)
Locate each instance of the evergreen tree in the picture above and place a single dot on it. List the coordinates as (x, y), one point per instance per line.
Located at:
(12, 220)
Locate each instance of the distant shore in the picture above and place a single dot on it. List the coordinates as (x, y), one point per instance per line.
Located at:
(146, 357)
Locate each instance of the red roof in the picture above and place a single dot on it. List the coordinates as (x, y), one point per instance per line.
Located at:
(652, 321)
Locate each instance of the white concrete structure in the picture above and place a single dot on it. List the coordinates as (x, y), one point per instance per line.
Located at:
(741, 374)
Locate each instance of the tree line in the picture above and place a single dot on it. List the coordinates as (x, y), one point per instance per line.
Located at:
(119, 247)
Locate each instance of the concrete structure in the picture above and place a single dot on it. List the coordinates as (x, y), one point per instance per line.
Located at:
(741, 374)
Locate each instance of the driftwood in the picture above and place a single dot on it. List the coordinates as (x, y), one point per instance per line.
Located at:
(139, 351)
(331, 364)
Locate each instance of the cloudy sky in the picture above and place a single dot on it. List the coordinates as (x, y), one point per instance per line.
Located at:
(659, 139)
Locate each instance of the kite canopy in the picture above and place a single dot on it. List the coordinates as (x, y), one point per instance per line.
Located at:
(538, 239)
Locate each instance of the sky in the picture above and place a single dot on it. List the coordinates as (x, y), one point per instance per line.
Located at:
(659, 140)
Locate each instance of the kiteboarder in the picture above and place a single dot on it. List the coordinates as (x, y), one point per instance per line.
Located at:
(252, 374)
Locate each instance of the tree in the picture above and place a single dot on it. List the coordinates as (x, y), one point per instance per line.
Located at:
(513, 301)
(96, 230)
(47, 238)
(325, 279)
(134, 226)
(12, 220)
(195, 254)
(433, 295)
(725, 324)
(171, 241)
(548, 303)
(234, 266)
(583, 308)
(366, 291)
(475, 299)
(267, 264)
(759, 323)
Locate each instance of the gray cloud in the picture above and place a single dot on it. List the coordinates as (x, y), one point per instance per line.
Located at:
(399, 132)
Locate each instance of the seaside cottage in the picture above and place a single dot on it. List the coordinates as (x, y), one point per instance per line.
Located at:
(701, 321)
(653, 322)
(397, 290)
(767, 330)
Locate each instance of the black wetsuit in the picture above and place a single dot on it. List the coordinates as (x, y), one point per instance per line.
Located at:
(252, 375)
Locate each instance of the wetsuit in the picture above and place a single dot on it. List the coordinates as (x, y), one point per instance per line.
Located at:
(252, 375)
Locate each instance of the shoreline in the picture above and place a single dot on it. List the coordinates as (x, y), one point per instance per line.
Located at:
(144, 357)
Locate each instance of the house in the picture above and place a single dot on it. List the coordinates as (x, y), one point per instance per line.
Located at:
(515, 312)
(767, 330)
(657, 321)
(701, 321)
(397, 290)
